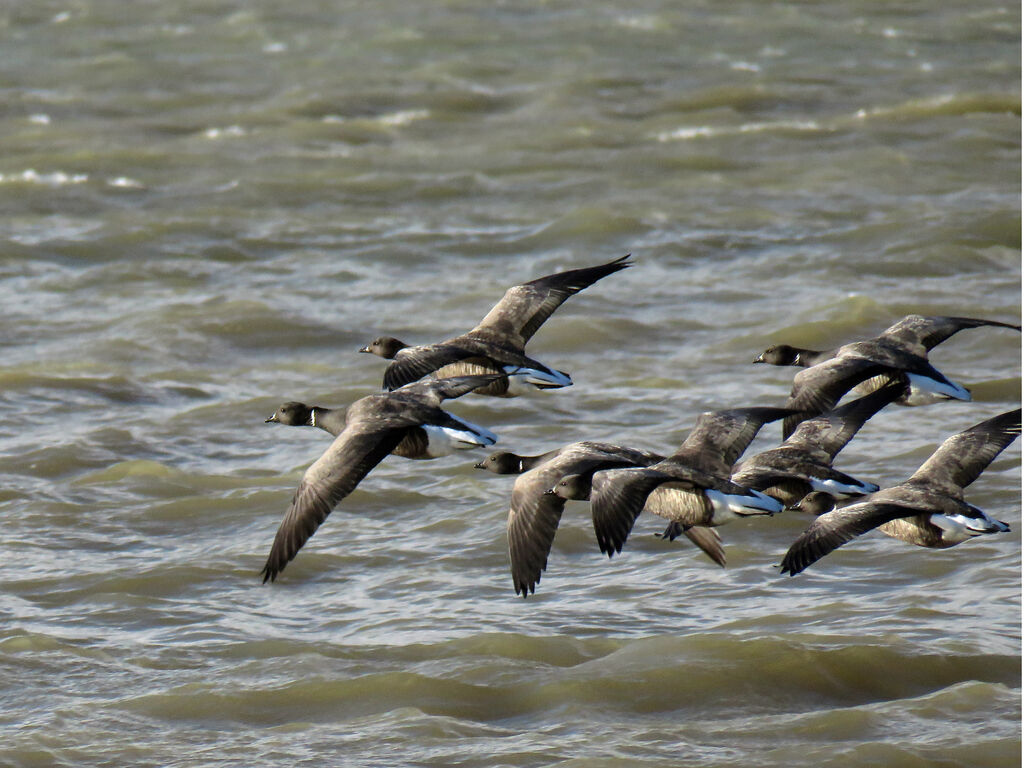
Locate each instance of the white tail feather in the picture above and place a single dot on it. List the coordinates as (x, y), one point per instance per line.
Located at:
(729, 505)
(836, 488)
(539, 378)
(924, 390)
(445, 440)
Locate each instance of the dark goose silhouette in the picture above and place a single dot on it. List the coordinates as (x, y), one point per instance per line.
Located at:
(803, 463)
(374, 427)
(903, 347)
(928, 509)
(544, 484)
(498, 343)
(691, 487)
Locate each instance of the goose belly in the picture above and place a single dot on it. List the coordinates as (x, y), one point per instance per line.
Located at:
(916, 530)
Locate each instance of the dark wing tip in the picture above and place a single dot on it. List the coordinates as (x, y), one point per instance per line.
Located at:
(787, 569)
(392, 380)
(269, 573)
(524, 588)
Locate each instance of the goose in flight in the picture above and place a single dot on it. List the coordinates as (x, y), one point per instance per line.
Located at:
(928, 509)
(900, 351)
(539, 494)
(498, 343)
(689, 488)
(374, 427)
(803, 463)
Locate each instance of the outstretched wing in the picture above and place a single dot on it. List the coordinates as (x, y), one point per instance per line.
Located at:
(817, 389)
(328, 480)
(719, 437)
(533, 518)
(929, 332)
(616, 500)
(833, 529)
(524, 308)
(413, 363)
(831, 431)
(963, 457)
(433, 391)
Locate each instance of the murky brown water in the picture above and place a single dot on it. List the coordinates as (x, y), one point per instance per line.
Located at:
(208, 206)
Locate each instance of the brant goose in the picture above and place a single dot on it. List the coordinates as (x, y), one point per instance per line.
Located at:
(537, 502)
(534, 512)
(498, 343)
(927, 510)
(912, 336)
(374, 427)
(577, 486)
(803, 463)
(690, 487)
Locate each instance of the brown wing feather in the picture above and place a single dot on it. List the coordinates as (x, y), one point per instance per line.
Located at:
(719, 437)
(524, 308)
(963, 457)
(833, 529)
(333, 476)
(929, 332)
(533, 519)
(817, 389)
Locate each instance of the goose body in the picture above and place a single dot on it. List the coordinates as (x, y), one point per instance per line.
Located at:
(426, 441)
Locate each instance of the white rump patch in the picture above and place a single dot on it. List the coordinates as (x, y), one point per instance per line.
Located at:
(727, 506)
(834, 487)
(442, 441)
(924, 391)
(537, 378)
(957, 528)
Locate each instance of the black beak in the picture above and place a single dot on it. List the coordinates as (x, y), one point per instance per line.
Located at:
(758, 359)
(549, 492)
(479, 465)
(272, 418)
(364, 349)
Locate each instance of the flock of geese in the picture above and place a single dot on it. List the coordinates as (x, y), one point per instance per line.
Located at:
(703, 484)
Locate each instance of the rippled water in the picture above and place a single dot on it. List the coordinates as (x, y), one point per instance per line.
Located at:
(208, 206)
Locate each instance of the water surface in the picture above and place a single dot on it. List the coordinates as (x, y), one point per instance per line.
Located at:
(209, 206)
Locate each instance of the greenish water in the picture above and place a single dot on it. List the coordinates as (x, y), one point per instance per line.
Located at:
(209, 206)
